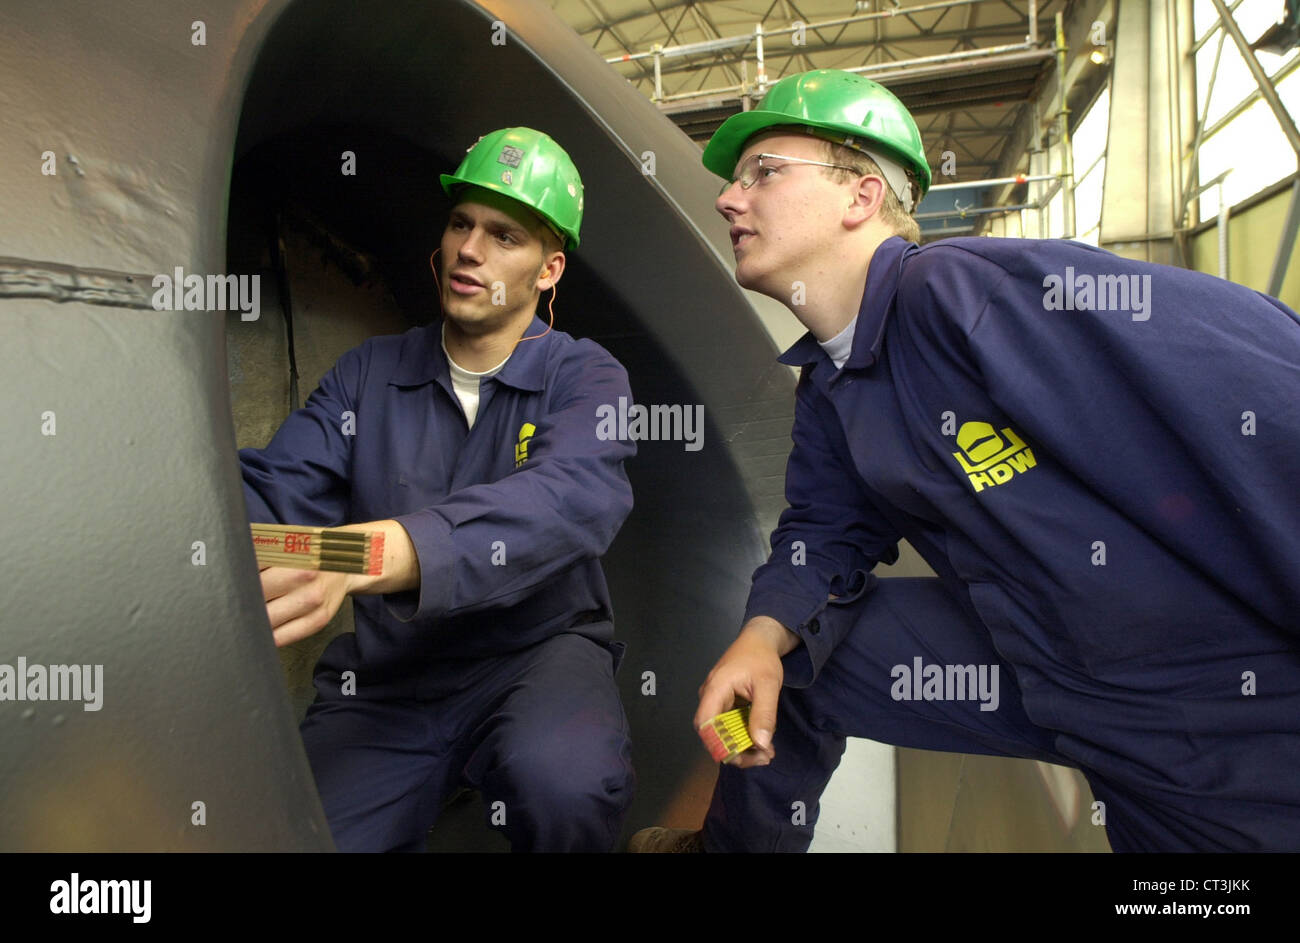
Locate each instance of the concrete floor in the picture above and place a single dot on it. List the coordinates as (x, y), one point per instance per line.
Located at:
(859, 810)
(959, 802)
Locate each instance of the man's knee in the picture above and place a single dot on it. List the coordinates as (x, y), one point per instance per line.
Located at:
(571, 771)
(569, 794)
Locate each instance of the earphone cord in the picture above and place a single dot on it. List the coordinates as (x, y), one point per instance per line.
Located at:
(550, 306)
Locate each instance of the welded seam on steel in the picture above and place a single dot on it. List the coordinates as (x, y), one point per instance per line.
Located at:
(25, 278)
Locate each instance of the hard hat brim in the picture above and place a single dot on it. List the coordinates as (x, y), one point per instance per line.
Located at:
(728, 142)
(450, 183)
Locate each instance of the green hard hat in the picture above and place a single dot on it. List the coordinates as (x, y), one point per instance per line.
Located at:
(851, 109)
(527, 166)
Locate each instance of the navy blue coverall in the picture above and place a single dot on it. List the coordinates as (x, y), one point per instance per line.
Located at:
(1100, 459)
(498, 671)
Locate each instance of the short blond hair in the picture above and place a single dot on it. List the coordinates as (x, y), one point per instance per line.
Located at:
(892, 212)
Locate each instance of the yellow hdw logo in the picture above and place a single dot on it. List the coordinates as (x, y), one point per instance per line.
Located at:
(521, 449)
(990, 459)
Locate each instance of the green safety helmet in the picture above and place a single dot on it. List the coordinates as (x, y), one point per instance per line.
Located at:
(839, 106)
(527, 166)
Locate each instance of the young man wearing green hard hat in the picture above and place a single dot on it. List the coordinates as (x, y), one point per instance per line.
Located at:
(1098, 457)
(484, 654)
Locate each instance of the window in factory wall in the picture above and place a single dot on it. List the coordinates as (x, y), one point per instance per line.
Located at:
(1088, 144)
(1237, 112)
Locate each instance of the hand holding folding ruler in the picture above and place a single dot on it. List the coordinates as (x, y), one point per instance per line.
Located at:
(727, 735)
(318, 548)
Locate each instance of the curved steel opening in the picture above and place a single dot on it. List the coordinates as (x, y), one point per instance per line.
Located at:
(644, 284)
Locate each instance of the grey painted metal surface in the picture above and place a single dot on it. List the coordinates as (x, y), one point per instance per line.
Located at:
(117, 426)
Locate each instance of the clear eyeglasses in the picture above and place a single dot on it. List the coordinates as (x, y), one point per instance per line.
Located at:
(752, 166)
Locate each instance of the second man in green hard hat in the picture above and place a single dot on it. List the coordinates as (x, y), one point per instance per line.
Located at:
(1115, 555)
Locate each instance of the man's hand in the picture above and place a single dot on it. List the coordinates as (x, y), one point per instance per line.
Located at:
(750, 668)
(300, 603)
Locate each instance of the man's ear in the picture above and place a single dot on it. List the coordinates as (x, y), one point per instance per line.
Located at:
(868, 197)
(552, 269)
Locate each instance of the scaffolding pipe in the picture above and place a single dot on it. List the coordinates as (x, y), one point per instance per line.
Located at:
(1222, 221)
(975, 211)
(1261, 78)
(1286, 245)
(889, 14)
(1283, 72)
(1194, 171)
(998, 182)
(1174, 107)
(725, 42)
(903, 68)
(943, 58)
(1223, 234)
(1063, 116)
(684, 49)
(1289, 230)
(1214, 28)
(726, 92)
